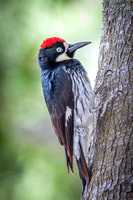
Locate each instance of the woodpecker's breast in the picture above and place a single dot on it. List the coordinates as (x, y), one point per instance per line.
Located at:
(83, 108)
(83, 99)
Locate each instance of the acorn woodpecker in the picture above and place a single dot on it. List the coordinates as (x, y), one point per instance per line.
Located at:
(69, 98)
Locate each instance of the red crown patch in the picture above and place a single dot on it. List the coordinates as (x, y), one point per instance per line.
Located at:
(50, 41)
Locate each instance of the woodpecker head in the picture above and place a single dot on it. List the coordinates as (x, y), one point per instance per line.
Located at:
(54, 50)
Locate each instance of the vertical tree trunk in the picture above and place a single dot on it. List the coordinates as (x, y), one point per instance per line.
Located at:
(111, 145)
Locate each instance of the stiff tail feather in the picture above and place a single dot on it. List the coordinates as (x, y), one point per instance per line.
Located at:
(69, 162)
(83, 170)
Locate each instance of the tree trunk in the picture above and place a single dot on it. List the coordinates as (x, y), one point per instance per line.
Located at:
(111, 144)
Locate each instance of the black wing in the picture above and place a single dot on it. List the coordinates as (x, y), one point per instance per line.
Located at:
(61, 110)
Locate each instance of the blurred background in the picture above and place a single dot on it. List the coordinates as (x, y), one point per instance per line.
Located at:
(32, 163)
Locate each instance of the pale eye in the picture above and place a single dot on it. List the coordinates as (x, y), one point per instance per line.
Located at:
(59, 49)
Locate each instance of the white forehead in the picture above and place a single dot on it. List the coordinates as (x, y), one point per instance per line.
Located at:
(66, 45)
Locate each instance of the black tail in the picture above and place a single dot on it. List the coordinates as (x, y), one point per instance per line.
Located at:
(69, 162)
(83, 170)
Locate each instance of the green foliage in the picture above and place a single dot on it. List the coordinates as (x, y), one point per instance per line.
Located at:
(31, 167)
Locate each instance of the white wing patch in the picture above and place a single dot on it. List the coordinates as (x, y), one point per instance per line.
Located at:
(68, 114)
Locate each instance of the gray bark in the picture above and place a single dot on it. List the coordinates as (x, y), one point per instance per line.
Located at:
(111, 144)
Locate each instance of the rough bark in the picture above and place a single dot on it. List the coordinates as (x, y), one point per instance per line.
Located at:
(111, 145)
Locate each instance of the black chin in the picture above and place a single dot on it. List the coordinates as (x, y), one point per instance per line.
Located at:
(70, 54)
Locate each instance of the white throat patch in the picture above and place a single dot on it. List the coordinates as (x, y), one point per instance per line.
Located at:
(63, 56)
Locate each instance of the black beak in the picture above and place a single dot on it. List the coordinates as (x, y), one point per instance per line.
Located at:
(74, 47)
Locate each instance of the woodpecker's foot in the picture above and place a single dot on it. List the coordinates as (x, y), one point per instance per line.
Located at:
(112, 97)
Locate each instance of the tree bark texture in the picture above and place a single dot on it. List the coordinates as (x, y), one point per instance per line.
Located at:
(111, 145)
